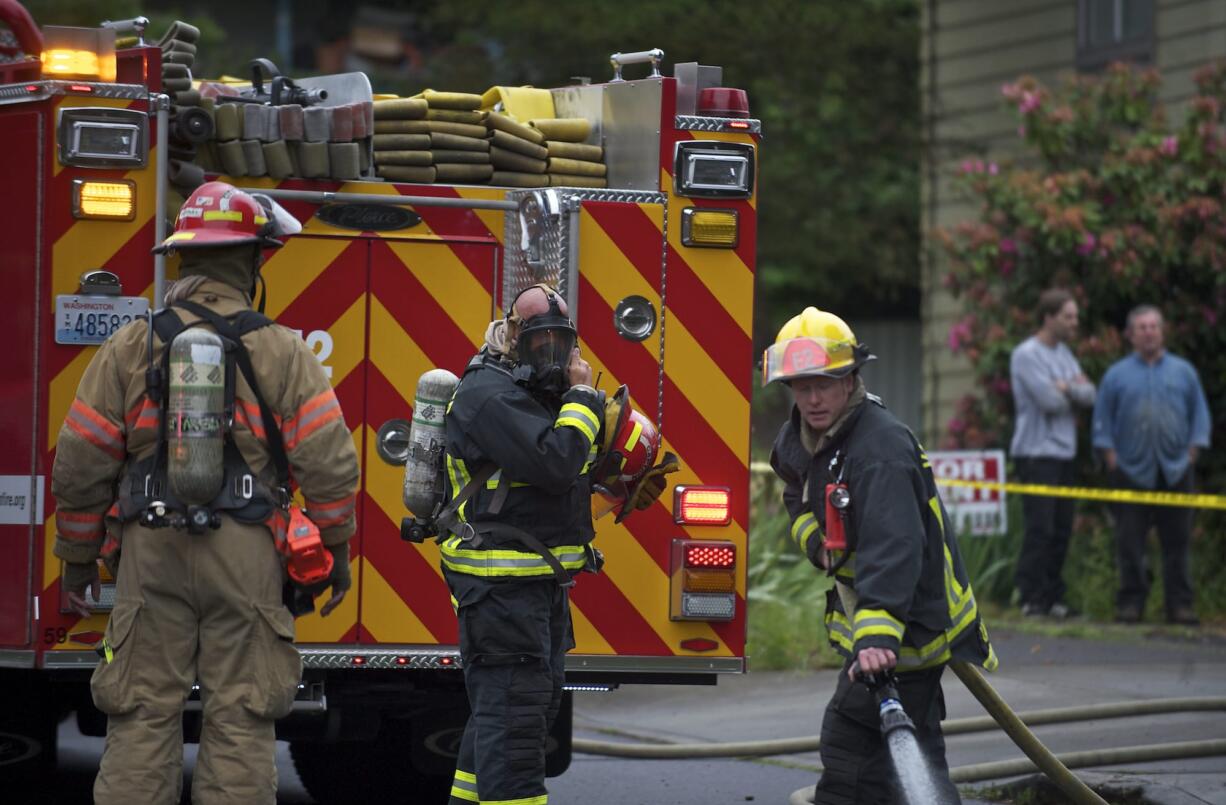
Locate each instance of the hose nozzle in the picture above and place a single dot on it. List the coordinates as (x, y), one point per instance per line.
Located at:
(893, 717)
(885, 689)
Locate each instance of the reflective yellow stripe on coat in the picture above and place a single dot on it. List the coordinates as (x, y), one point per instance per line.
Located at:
(502, 562)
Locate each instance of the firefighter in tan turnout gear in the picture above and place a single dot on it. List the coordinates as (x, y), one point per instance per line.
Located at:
(864, 507)
(197, 547)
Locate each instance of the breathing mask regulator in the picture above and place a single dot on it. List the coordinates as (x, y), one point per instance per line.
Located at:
(544, 344)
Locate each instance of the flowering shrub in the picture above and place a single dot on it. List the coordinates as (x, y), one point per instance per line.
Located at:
(1113, 204)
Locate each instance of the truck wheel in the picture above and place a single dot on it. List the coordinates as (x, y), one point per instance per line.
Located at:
(364, 772)
(27, 729)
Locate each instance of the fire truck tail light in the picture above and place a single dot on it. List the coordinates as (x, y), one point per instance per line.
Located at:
(709, 581)
(113, 200)
(708, 607)
(702, 505)
(711, 228)
(703, 580)
(720, 556)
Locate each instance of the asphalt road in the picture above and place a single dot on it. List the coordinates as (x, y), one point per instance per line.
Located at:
(1036, 672)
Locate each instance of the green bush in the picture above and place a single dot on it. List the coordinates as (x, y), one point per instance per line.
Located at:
(787, 595)
(1121, 208)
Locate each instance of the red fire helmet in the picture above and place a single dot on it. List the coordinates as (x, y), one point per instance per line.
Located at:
(219, 214)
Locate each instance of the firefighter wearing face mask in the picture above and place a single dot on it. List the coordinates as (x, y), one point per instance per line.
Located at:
(864, 507)
(199, 600)
(522, 431)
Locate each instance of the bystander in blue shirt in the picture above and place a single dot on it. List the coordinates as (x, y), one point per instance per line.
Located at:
(1150, 414)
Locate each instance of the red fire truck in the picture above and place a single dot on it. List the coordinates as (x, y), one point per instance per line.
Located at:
(386, 281)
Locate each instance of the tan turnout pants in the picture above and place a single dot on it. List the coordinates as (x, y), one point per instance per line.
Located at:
(191, 608)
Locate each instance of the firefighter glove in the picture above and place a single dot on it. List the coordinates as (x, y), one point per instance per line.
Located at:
(341, 578)
(77, 577)
(650, 486)
(340, 581)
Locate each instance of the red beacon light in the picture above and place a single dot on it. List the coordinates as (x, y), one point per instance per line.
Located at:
(723, 102)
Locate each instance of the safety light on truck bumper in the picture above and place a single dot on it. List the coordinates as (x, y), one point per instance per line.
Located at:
(703, 581)
(712, 228)
(114, 200)
(702, 505)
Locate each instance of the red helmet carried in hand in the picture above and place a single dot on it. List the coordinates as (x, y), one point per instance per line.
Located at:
(219, 214)
(630, 447)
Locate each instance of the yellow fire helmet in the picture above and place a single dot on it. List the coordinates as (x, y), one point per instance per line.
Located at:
(810, 344)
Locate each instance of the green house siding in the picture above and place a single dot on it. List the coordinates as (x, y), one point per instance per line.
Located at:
(969, 49)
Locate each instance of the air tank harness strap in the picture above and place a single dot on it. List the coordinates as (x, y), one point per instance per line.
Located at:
(447, 521)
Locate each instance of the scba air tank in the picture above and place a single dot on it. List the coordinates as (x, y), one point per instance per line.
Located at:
(427, 437)
(195, 410)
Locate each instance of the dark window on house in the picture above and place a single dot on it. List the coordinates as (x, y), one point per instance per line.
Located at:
(1114, 30)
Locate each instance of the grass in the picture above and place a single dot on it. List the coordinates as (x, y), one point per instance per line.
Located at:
(787, 595)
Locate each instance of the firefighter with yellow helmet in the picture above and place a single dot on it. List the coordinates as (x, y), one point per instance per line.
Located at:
(864, 507)
(176, 455)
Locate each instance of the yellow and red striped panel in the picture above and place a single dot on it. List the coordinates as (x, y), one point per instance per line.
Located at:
(382, 309)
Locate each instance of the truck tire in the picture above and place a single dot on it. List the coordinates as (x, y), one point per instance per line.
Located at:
(364, 772)
(28, 726)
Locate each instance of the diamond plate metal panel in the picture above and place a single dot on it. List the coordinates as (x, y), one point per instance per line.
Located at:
(18, 93)
(695, 123)
(414, 659)
(540, 244)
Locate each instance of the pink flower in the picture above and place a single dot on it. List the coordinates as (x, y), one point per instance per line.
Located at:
(1008, 246)
(959, 335)
(1170, 145)
(993, 168)
(1030, 101)
(967, 166)
(1006, 268)
(1087, 245)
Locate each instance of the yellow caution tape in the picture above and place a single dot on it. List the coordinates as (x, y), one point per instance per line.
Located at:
(1183, 499)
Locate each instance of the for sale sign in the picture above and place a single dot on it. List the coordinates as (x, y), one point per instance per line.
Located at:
(973, 511)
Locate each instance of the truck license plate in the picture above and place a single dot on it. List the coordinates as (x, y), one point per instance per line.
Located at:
(81, 319)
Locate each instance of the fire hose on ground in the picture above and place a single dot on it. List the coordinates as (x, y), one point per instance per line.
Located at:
(1015, 725)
